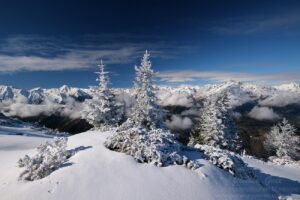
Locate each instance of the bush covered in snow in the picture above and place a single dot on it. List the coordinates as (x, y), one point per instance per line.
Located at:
(226, 160)
(48, 158)
(155, 146)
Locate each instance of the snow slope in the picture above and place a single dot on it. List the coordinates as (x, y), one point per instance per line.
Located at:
(282, 180)
(95, 172)
(9, 126)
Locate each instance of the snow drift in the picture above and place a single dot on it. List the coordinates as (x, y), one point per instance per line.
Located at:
(96, 172)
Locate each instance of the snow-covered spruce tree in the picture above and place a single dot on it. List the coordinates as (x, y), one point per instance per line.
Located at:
(49, 157)
(207, 130)
(284, 142)
(146, 112)
(143, 135)
(217, 137)
(216, 127)
(230, 138)
(103, 111)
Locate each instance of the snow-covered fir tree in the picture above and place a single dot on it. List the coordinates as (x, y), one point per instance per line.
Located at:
(230, 138)
(146, 112)
(216, 126)
(207, 129)
(216, 135)
(283, 141)
(103, 111)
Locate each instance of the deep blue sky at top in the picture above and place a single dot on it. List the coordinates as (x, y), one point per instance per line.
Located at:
(51, 43)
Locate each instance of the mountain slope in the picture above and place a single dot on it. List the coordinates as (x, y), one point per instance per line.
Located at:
(95, 172)
(9, 126)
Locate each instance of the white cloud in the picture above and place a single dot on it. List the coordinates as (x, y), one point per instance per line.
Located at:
(20, 107)
(175, 98)
(37, 53)
(179, 123)
(75, 59)
(127, 99)
(191, 112)
(263, 113)
(281, 100)
(236, 115)
(181, 76)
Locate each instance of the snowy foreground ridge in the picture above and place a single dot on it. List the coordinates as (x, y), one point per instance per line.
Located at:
(96, 172)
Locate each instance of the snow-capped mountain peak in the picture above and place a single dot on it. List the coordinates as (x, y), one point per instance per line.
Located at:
(64, 89)
(6, 92)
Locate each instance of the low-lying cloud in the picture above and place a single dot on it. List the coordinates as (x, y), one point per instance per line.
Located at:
(19, 107)
(281, 100)
(175, 98)
(263, 113)
(179, 123)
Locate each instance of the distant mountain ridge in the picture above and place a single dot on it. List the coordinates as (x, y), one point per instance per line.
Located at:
(38, 95)
(240, 92)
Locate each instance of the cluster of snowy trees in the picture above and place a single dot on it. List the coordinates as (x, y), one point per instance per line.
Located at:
(216, 136)
(104, 111)
(216, 129)
(144, 135)
(216, 126)
(283, 143)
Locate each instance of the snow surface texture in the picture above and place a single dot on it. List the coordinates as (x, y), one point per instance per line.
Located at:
(96, 172)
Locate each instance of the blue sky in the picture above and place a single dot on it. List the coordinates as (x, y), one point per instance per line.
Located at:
(51, 43)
